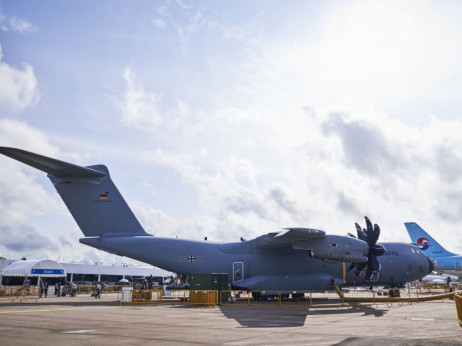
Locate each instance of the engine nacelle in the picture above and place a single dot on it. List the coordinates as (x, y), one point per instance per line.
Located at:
(336, 248)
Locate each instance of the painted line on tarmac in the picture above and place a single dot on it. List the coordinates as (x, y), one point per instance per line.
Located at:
(422, 319)
(42, 310)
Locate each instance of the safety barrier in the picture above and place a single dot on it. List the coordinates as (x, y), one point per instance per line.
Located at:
(208, 298)
(437, 287)
(82, 289)
(458, 300)
(279, 298)
(290, 298)
(155, 296)
(20, 293)
(333, 298)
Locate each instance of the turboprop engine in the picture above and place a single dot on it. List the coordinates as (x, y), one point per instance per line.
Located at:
(336, 248)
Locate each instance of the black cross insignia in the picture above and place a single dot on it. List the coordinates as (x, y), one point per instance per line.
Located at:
(191, 258)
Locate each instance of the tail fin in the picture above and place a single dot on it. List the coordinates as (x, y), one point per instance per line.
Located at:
(425, 242)
(89, 194)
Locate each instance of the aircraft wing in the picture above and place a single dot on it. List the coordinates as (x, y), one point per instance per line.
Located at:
(289, 237)
(332, 248)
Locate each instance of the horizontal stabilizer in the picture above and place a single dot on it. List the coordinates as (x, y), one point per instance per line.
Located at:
(57, 168)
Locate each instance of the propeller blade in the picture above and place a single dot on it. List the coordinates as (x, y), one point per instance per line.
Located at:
(371, 236)
(361, 235)
(352, 265)
(359, 268)
(370, 232)
(375, 234)
(373, 265)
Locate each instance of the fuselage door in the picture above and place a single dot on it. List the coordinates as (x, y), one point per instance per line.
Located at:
(238, 271)
(458, 264)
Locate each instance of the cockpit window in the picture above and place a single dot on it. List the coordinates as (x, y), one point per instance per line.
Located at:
(416, 250)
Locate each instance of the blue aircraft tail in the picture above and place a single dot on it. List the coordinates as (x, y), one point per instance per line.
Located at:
(425, 242)
(88, 192)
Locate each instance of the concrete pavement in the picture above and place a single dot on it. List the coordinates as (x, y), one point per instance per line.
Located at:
(85, 320)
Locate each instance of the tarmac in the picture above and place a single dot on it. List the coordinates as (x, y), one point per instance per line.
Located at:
(85, 320)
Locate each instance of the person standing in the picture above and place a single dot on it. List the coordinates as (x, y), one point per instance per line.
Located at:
(42, 287)
(98, 290)
(46, 288)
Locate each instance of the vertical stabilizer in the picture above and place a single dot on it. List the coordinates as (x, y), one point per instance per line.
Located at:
(425, 242)
(88, 192)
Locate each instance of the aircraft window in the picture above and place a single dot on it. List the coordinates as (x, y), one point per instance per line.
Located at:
(333, 245)
(417, 250)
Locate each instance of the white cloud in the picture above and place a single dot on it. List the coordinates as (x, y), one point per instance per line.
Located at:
(30, 211)
(360, 54)
(16, 24)
(18, 89)
(373, 50)
(158, 22)
(139, 108)
(21, 25)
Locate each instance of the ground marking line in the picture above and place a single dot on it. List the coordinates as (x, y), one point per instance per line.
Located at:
(42, 310)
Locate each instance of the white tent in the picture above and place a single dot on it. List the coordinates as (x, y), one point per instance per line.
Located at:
(44, 268)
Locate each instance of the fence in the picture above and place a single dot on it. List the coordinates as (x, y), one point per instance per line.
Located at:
(458, 300)
(159, 296)
(20, 293)
(333, 298)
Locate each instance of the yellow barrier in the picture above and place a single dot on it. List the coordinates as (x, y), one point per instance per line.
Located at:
(280, 298)
(334, 298)
(19, 292)
(156, 296)
(209, 298)
(458, 299)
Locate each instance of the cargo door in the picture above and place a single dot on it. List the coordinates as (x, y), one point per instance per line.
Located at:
(238, 271)
(457, 265)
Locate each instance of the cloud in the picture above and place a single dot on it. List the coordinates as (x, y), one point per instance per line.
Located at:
(19, 134)
(246, 202)
(158, 22)
(364, 145)
(138, 107)
(16, 24)
(375, 50)
(22, 26)
(64, 242)
(24, 238)
(363, 54)
(18, 89)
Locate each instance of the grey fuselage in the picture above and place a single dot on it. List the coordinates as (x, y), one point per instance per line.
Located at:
(254, 268)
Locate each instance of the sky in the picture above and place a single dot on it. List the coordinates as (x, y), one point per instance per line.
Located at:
(229, 119)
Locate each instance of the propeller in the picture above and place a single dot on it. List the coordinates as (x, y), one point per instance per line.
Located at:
(370, 236)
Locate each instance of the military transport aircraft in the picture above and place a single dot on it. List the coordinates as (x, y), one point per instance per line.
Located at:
(443, 260)
(291, 259)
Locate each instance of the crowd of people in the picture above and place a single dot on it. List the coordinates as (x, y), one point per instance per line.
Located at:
(61, 289)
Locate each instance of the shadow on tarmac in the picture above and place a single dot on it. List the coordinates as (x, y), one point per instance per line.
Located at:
(273, 317)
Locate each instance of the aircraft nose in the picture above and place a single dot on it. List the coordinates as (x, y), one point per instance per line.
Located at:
(431, 266)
